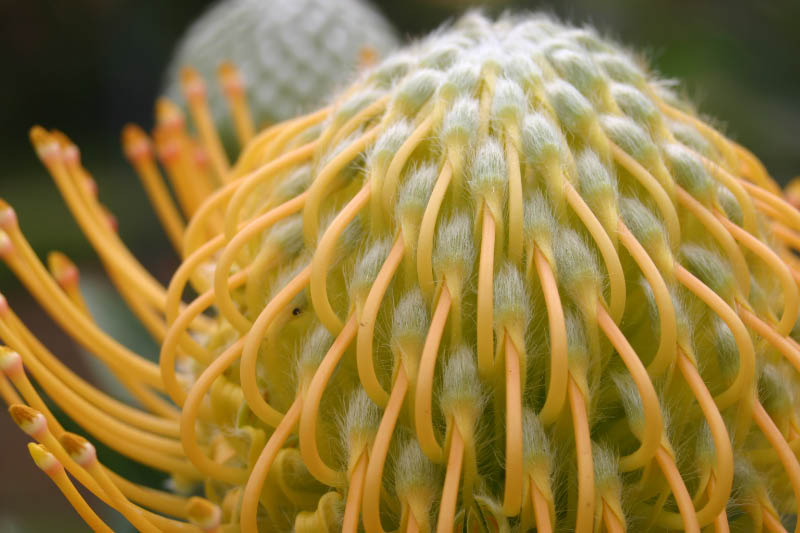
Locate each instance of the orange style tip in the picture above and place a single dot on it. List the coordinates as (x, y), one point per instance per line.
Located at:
(63, 270)
(200, 156)
(6, 246)
(44, 143)
(230, 77)
(135, 143)
(91, 186)
(44, 459)
(8, 217)
(3, 304)
(29, 420)
(10, 361)
(367, 56)
(168, 150)
(193, 84)
(81, 450)
(72, 155)
(113, 223)
(203, 513)
(168, 115)
(69, 149)
(792, 192)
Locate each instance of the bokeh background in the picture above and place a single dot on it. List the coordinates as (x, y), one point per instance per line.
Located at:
(89, 66)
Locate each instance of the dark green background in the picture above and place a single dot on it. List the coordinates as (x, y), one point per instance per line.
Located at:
(89, 66)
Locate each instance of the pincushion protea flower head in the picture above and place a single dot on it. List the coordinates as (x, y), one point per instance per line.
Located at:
(292, 54)
(507, 280)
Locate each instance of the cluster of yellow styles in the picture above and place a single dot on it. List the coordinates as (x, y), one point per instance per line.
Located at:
(505, 281)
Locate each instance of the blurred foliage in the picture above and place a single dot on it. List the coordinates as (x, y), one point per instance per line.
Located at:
(89, 66)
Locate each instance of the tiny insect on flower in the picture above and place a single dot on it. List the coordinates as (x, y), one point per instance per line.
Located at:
(505, 281)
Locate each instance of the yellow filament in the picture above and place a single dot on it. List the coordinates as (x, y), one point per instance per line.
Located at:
(194, 236)
(679, 492)
(660, 196)
(723, 237)
(150, 319)
(249, 362)
(332, 136)
(195, 93)
(758, 173)
(105, 242)
(366, 324)
(308, 418)
(778, 341)
(719, 493)
(485, 309)
(785, 454)
(739, 390)
(616, 276)
(115, 261)
(132, 513)
(790, 215)
(163, 502)
(668, 330)
(226, 474)
(392, 177)
(559, 367)
(322, 182)
(611, 520)
(489, 77)
(412, 526)
(140, 154)
(541, 510)
(14, 333)
(653, 421)
(7, 391)
(258, 475)
(181, 276)
(324, 254)
(583, 450)
(173, 152)
(160, 501)
(72, 319)
(243, 189)
(721, 521)
(788, 236)
(771, 522)
(371, 514)
(423, 407)
(169, 348)
(791, 302)
(513, 488)
(427, 229)
(744, 200)
(224, 301)
(515, 211)
(127, 439)
(234, 92)
(75, 499)
(355, 491)
(270, 146)
(447, 507)
(717, 139)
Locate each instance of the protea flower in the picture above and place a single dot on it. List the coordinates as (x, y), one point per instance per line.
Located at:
(291, 54)
(507, 280)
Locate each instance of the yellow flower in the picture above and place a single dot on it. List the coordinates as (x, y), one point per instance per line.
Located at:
(506, 280)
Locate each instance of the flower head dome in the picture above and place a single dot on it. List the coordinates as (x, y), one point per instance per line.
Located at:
(291, 54)
(506, 280)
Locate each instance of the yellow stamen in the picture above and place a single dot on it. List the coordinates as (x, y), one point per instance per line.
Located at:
(234, 90)
(194, 90)
(55, 471)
